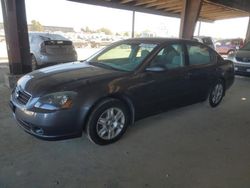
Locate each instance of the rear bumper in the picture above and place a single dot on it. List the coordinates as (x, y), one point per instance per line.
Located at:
(46, 60)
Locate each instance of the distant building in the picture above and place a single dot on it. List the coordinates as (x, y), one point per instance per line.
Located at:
(50, 28)
(62, 29)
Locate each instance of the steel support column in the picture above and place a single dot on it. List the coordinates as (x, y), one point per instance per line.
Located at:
(189, 16)
(133, 25)
(16, 33)
(248, 32)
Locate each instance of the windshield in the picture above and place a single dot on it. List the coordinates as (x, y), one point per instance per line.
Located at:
(246, 47)
(123, 57)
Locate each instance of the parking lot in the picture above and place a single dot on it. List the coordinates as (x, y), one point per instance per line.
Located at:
(192, 147)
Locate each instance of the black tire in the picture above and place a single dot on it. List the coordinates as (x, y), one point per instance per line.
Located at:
(216, 93)
(33, 62)
(97, 114)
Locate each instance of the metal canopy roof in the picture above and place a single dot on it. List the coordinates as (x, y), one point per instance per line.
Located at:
(211, 9)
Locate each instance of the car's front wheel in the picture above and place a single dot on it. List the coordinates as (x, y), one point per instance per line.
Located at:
(107, 122)
(216, 93)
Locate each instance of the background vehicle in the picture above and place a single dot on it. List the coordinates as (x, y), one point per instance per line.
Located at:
(205, 40)
(227, 46)
(48, 49)
(241, 60)
(99, 42)
(124, 82)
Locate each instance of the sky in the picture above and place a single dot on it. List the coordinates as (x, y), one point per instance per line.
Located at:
(77, 15)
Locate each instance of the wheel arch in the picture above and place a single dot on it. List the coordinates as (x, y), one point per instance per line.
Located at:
(121, 97)
(224, 84)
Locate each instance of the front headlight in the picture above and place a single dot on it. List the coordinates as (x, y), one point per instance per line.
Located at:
(56, 101)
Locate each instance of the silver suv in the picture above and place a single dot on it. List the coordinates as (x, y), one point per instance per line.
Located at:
(49, 49)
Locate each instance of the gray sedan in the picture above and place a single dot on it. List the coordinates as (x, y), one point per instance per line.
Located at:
(124, 82)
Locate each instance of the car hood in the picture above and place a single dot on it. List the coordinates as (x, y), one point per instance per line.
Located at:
(243, 54)
(63, 77)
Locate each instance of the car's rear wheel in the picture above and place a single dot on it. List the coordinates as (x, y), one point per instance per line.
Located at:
(33, 62)
(216, 93)
(107, 122)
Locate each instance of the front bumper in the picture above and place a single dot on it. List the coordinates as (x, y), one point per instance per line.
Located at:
(55, 125)
(242, 68)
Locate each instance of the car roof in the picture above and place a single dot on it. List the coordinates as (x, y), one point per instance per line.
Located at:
(55, 36)
(202, 37)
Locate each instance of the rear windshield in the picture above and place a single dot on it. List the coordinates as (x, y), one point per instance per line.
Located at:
(52, 37)
(57, 42)
(223, 42)
(230, 42)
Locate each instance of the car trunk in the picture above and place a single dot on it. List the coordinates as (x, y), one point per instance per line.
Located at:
(57, 47)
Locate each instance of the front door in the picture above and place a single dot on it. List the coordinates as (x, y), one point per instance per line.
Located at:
(166, 80)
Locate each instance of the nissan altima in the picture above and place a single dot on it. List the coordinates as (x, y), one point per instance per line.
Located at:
(122, 83)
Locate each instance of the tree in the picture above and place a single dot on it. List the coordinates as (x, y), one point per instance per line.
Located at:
(137, 35)
(105, 30)
(36, 26)
(126, 34)
(87, 30)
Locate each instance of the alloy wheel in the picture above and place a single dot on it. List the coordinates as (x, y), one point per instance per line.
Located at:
(110, 123)
(217, 93)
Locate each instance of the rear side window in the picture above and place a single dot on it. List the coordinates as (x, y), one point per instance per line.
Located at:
(52, 37)
(198, 54)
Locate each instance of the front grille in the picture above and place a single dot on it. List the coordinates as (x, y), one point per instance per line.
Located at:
(241, 69)
(22, 97)
(243, 59)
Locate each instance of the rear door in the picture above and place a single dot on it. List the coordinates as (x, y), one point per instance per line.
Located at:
(202, 69)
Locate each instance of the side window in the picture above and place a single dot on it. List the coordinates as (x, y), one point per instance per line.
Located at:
(198, 54)
(213, 56)
(170, 57)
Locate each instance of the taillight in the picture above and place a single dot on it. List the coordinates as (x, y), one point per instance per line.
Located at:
(42, 48)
